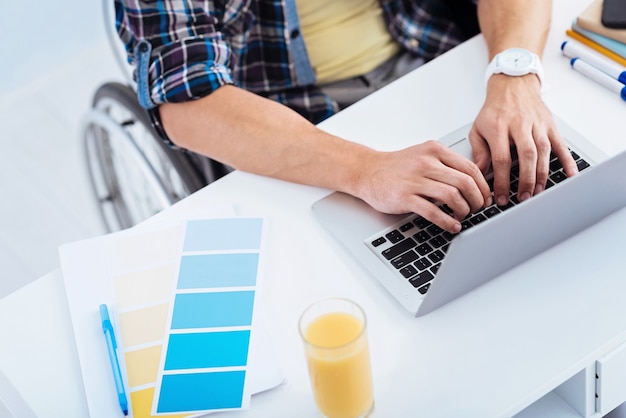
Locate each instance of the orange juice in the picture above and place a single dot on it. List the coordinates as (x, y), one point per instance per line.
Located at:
(339, 365)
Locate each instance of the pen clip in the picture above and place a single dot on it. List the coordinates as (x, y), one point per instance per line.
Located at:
(107, 325)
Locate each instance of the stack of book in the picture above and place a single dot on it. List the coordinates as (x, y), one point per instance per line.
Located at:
(588, 29)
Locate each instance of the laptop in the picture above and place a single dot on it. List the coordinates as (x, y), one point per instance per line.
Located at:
(424, 267)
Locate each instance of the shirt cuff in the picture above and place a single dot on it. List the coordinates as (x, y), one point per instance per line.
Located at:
(180, 72)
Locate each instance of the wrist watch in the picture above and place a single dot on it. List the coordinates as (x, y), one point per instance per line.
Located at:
(515, 62)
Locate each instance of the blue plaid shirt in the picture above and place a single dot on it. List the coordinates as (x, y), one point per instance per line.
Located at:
(185, 49)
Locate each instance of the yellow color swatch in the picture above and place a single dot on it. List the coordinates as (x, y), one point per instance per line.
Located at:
(144, 287)
(142, 366)
(141, 404)
(144, 326)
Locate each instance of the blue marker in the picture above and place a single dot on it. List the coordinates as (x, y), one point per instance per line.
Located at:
(573, 49)
(598, 76)
(107, 327)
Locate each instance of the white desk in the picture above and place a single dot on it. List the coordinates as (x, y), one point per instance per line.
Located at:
(505, 348)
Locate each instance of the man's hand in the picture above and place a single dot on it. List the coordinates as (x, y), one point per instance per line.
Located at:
(418, 177)
(515, 115)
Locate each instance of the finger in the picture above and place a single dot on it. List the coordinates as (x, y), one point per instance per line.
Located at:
(458, 205)
(501, 162)
(527, 159)
(472, 186)
(543, 160)
(480, 150)
(445, 193)
(468, 177)
(455, 170)
(435, 214)
(562, 152)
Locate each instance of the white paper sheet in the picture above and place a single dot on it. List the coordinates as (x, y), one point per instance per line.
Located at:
(87, 283)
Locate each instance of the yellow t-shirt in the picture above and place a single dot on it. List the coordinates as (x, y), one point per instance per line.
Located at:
(344, 38)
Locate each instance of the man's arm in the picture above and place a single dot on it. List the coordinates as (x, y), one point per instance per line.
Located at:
(258, 135)
(514, 112)
(203, 111)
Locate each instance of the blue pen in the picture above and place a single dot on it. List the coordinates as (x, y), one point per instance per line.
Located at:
(107, 327)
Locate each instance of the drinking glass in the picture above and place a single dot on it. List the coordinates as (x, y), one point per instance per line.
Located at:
(334, 332)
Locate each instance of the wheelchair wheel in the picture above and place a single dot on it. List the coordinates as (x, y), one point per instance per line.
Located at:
(134, 174)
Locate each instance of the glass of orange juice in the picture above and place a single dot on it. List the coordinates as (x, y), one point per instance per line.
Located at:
(334, 332)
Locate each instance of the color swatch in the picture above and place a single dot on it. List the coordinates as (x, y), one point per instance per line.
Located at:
(185, 314)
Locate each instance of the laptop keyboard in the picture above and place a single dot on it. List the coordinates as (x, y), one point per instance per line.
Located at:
(415, 247)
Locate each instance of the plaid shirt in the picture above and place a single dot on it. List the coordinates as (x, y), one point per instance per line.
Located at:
(185, 49)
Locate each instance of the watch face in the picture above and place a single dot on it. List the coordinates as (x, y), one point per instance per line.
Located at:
(515, 59)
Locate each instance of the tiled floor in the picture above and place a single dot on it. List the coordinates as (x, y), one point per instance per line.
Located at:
(46, 198)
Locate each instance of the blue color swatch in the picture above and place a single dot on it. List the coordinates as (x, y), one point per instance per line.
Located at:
(208, 340)
(218, 270)
(223, 234)
(207, 350)
(208, 310)
(201, 391)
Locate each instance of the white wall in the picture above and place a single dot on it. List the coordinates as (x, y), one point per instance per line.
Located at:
(41, 34)
(53, 57)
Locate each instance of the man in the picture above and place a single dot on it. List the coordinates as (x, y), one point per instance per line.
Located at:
(244, 82)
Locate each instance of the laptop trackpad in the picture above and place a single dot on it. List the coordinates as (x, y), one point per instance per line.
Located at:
(350, 219)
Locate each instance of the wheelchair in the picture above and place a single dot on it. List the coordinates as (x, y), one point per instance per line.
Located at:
(134, 173)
